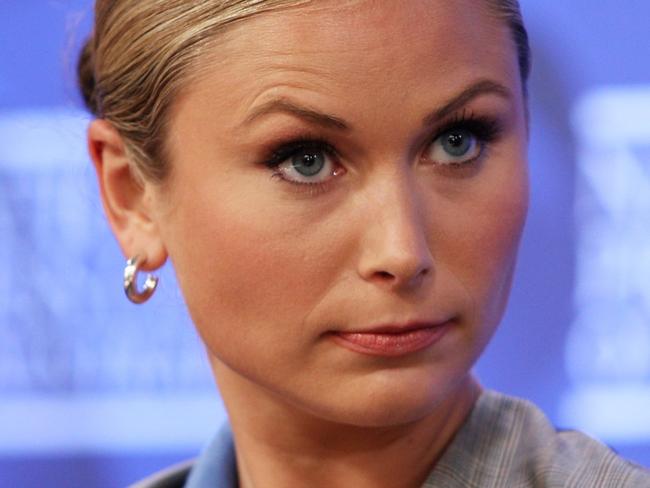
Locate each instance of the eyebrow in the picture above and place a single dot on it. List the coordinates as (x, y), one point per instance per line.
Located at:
(285, 105)
(482, 87)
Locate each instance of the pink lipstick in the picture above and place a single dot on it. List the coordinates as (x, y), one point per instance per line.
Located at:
(392, 340)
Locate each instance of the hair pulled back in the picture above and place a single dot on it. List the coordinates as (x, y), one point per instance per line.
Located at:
(141, 52)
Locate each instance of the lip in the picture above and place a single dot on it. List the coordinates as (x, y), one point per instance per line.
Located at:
(392, 339)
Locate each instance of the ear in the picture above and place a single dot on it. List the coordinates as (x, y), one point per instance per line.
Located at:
(127, 198)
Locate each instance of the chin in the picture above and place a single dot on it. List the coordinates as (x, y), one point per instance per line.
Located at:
(386, 403)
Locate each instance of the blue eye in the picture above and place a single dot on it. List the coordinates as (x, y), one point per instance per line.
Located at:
(308, 162)
(455, 146)
(305, 163)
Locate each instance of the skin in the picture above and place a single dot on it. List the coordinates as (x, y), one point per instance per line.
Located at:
(269, 270)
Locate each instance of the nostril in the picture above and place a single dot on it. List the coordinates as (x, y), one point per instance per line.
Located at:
(399, 280)
(385, 274)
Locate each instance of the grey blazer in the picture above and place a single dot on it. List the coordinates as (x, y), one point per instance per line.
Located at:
(174, 476)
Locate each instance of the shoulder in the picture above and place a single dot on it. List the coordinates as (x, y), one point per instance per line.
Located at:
(172, 477)
(581, 461)
(508, 441)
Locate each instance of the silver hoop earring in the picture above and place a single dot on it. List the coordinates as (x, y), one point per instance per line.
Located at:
(131, 279)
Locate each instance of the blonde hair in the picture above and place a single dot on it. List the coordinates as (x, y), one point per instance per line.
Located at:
(141, 53)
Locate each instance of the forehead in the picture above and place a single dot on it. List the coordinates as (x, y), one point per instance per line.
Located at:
(398, 50)
(362, 32)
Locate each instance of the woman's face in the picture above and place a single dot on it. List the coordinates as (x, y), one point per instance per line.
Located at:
(399, 194)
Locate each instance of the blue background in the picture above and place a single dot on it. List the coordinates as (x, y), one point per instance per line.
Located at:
(63, 403)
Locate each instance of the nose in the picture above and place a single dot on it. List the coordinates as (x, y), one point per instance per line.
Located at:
(394, 247)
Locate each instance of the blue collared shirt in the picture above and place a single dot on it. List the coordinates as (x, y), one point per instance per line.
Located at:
(216, 467)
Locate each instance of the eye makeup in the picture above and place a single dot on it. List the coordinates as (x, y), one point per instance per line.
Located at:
(284, 157)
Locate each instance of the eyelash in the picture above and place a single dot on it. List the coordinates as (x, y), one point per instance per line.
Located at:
(288, 149)
(486, 130)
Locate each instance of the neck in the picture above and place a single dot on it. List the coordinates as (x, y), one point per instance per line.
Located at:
(278, 445)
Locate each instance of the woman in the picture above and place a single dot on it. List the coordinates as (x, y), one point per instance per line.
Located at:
(341, 186)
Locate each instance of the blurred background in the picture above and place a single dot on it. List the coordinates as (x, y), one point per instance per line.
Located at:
(96, 392)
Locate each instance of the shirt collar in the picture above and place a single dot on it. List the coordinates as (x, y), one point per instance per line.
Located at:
(216, 466)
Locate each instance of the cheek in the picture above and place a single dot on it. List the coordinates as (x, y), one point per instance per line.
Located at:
(484, 239)
(249, 276)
